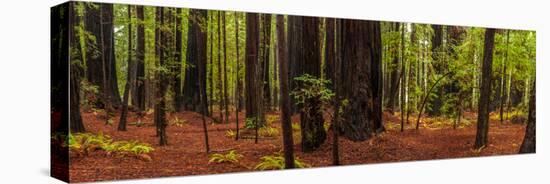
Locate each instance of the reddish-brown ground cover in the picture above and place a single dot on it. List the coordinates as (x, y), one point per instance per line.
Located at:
(185, 154)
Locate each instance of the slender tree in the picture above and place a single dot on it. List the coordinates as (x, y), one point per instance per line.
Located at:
(124, 112)
(265, 46)
(237, 80)
(176, 87)
(288, 142)
(160, 102)
(485, 91)
(225, 82)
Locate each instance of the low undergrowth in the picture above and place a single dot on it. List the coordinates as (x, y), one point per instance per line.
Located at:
(85, 143)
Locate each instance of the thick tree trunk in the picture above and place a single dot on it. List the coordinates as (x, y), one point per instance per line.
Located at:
(295, 53)
(195, 37)
(139, 85)
(76, 72)
(288, 142)
(253, 77)
(529, 142)
(311, 121)
(109, 53)
(485, 91)
(329, 51)
(361, 79)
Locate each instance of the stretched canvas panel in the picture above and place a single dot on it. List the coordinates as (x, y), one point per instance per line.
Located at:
(143, 91)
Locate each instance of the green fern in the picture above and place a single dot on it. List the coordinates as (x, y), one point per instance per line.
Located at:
(230, 133)
(268, 131)
(231, 156)
(277, 162)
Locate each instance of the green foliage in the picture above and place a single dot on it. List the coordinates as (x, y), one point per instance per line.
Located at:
(250, 123)
(178, 122)
(311, 88)
(230, 133)
(89, 94)
(232, 157)
(277, 162)
(87, 142)
(268, 131)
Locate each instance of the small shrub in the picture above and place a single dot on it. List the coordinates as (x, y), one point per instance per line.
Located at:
(268, 131)
(250, 123)
(232, 156)
(87, 142)
(178, 122)
(138, 123)
(277, 162)
(271, 118)
(230, 133)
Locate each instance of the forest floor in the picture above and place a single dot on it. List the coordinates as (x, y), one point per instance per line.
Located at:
(185, 152)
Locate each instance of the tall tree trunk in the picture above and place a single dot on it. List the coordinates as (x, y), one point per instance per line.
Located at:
(503, 78)
(225, 82)
(288, 142)
(124, 113)
(220, 82)
(109, 53)
(295, 53)
(200, 35)
(403, 76)
(237, 79)
(265, 46)
(178, 96)
(529, 142)
(76, 71)
(329, 51)
(139, 94)
(106, 93)
(311, 121)
(437, 56)
(195, 37)
(394, 76)
(211, 62)
(485, 91)
(361, 79)
(254, 94)
(337, 64)
(160, 103)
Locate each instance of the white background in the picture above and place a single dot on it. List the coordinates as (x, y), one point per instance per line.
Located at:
(24, 90)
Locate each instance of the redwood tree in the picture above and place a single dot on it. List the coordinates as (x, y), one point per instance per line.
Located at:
(360, 78)
(529, 142)
(196, 40)
(485, 90)
(254, 102)
(286, 124)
